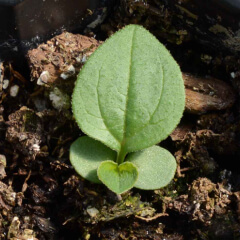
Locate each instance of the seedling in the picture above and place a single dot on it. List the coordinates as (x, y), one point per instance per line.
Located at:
(128, 97)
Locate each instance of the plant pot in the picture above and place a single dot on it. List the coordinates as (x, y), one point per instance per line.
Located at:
(26, 23)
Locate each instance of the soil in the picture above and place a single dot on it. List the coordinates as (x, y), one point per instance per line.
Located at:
(41, 196)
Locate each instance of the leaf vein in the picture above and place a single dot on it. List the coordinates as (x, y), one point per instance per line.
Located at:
(100, 108)
(151, 116)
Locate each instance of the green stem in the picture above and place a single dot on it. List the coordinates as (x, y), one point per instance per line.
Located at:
(121, 156)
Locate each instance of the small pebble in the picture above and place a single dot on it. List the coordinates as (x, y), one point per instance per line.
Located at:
(70, 72)
(233, 75)
(36, 148)
(84, 58)
(43, 79)
(5, 84)
(92, 212)
(59, 99)
(3, 160)
(14, 90)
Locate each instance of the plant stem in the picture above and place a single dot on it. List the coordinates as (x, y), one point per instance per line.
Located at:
(121, 156)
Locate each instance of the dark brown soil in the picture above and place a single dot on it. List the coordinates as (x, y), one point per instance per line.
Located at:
(41, 196)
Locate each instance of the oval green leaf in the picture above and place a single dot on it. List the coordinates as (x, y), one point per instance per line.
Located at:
(130, 93)
(118, 178)
(156, 167)
(86, 154)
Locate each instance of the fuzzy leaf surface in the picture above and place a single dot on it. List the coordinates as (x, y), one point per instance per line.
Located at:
(86, 154)
(130, 93)
(156, 167)
(118, 178)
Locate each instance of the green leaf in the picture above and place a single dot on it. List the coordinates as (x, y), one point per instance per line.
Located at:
(86, 154)
(130, 93)
(118, 178)
(156, 167)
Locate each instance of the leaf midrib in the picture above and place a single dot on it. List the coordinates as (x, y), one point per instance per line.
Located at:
(126, 104)
(128, 87)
